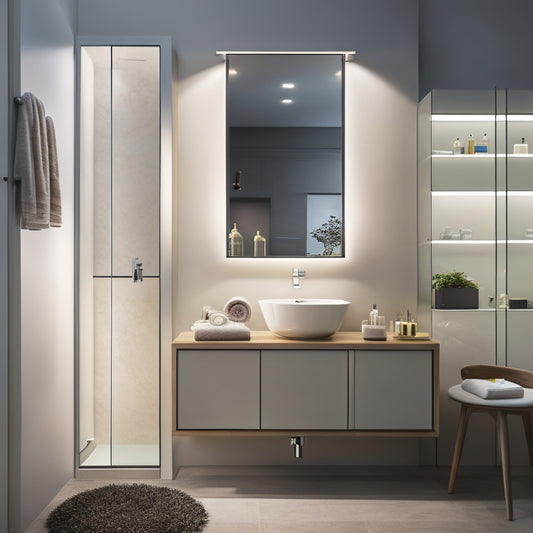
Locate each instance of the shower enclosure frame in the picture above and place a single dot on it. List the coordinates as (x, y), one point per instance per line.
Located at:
(165, 258)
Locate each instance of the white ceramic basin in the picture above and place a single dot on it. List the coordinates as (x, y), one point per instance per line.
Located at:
(303, 317)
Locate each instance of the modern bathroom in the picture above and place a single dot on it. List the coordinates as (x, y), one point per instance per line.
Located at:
(158, 161)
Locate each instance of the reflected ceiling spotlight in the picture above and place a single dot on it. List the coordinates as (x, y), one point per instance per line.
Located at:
(237, 181)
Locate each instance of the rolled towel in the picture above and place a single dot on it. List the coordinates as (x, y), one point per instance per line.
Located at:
(493, 389)
(231, 331)
(217, 318)
(238, 309)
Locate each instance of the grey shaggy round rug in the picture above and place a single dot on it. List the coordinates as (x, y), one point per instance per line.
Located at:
(131, 508)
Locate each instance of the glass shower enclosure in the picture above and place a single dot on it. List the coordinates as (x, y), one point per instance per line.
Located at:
(119, 310)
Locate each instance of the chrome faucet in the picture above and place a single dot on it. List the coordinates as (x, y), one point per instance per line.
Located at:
(136, 270)
(297, 275)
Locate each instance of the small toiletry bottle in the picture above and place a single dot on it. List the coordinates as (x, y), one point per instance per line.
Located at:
(374, 315)
(235, 242)
(471, 145)
(483, 146)
(522, 148)
(458, 148)
(259, 245)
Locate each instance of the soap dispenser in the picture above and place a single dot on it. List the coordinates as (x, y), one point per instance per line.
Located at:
(235, 242)
(259, 245)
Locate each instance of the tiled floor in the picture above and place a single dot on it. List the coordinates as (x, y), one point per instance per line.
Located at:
(344, 499)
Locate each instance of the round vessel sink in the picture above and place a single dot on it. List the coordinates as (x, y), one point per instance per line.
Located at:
(303, 318)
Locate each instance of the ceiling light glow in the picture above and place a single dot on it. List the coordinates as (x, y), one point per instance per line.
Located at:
(286, 101)
(288, 85)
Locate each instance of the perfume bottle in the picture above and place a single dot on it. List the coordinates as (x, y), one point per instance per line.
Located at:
(235, 242)
(259, 245)
(458, 147)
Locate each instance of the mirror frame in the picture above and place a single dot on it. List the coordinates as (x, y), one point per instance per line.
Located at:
(344, 56)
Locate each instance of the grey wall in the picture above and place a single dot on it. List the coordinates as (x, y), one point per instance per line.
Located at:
(4, 280)
(283, 166)
(47, 261)
(478, 44)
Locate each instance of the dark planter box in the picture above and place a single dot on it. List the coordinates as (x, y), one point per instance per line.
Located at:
(454, 298)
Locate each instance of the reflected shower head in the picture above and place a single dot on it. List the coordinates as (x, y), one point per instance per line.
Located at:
(237, 181)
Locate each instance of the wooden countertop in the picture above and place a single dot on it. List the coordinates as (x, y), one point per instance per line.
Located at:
(342, 340)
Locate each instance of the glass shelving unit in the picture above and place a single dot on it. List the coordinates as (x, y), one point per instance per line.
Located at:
(475, 211)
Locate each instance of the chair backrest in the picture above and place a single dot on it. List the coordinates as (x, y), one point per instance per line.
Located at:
(516, 375)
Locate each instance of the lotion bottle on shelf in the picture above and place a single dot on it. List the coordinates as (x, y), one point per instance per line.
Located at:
(471, 145)
(521, 148)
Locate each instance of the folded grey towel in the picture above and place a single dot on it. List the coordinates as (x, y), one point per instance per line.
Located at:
(231, 331)
(238, 309)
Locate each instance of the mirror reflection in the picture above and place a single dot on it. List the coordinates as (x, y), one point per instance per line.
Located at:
(285, 146)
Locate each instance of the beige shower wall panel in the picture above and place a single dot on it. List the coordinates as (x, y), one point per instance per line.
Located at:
(102, 168)
(135, 220)
(102, 360)
(135, 401)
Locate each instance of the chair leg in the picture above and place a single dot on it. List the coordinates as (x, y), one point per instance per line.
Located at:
(526, 420)
(459, 441)
(506, 463)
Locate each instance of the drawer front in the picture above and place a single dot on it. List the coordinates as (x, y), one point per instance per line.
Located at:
(304, 389)
(217, 389)
(393, 389)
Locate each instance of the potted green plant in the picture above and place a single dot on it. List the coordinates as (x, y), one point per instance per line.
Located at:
(453, 290)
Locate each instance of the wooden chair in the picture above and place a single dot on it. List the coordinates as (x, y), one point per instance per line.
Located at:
(498, 410)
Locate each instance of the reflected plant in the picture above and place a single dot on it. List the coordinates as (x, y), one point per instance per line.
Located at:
(329, 234)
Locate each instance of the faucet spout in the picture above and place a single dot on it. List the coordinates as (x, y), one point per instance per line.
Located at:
(297, 275)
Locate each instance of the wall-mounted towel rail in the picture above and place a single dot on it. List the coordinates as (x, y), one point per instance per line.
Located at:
(18, 100)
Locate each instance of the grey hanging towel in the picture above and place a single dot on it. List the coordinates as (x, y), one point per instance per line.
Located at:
(33, 165)
(55, 189)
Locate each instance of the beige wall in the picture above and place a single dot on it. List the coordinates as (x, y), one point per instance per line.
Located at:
(381, 105)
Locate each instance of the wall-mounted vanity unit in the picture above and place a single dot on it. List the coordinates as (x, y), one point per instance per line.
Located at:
(285, 152)
(338, 386)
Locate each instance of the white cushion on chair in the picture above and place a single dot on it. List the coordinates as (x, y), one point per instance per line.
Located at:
(458, 394)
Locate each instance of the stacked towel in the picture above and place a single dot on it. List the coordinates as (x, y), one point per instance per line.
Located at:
(230, 331)
(238, 309)
(36, 166)
(493, 389)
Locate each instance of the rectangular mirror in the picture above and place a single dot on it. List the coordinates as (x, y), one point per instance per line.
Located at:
(285, 155)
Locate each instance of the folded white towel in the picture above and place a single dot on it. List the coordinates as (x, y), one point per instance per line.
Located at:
(493, 389)
(238, 309)
(231, 331)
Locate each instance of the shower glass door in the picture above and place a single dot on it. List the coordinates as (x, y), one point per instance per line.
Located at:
(119, 257)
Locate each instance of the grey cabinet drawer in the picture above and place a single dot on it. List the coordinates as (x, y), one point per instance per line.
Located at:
(393, 389)
(217, 389)
(304, 389)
